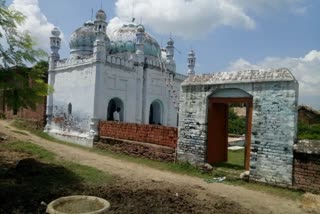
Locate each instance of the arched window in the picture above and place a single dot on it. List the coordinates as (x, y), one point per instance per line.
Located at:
(69, 108)
(156, 113)
(113, 105)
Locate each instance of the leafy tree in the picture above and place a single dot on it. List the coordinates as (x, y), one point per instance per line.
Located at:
(19, 86)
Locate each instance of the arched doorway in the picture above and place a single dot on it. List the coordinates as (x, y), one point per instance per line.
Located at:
(218, 112)
(156, 113)
(112, 107)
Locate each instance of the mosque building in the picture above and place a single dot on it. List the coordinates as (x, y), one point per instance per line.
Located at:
(125, 70)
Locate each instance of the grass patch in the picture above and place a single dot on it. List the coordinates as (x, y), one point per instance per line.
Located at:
(311, 132)
(29, 148)
(88, 175)
(235, 161)
(231, 169)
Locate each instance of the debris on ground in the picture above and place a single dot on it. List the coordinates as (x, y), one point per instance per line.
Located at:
(245, 176)
(3, 137)
(205, 168)
(215, 180)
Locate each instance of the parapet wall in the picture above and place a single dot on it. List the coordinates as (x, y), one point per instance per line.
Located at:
(154, 134)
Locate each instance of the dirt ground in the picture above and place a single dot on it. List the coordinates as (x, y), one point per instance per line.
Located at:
(138, 189)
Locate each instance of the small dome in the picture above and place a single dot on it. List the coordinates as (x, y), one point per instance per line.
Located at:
(140, 28)
(55, 32)
(101, 15)
(191, 54)
(124, 40)
(170, 42)
(82, 40)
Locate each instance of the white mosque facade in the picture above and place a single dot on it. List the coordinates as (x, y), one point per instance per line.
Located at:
(126, 69)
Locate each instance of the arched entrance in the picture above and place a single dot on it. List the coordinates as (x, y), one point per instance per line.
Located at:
(218, 110)
(112, 107)
(156, 113)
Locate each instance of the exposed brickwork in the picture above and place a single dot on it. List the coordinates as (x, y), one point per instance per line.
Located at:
(308, 115)
(307, 172)
(38, 115)
(146, 150)
(154, 134)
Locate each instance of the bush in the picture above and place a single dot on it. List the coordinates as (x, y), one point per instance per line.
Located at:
(236, 125)
(311, 132)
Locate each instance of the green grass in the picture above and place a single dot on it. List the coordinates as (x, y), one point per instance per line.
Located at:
(231, 169)
(88, 175)
(311, 132)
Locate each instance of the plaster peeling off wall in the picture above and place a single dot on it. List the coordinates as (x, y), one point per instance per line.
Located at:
(73, 124)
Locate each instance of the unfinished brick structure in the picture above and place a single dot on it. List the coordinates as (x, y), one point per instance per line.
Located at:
(271, 98)
(154, 134)
(141, 140)
(307, 165)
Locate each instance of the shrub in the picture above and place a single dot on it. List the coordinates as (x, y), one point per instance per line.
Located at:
(311, 132)
(236, 125)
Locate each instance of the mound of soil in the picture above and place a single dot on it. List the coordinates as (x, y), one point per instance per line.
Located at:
(126, 198)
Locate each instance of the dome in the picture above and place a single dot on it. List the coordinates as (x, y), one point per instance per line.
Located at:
(191, 54)
(124, 40)
(101, 15)
(140, 28)
(82, 40)
(55, 32)
(170, 42)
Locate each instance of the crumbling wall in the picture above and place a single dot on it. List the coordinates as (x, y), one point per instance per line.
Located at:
(306, 173)
(36, 116)
(274, 122)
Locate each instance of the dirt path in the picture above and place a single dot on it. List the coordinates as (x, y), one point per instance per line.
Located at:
(257, 202)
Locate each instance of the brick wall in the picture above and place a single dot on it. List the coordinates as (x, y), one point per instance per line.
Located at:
(154, 134)
(38, 115)
(306, 173)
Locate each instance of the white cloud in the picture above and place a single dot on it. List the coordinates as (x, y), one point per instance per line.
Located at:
(187, 19)
(36, 22)
(306, 69)
(114, 24)
(194, 18)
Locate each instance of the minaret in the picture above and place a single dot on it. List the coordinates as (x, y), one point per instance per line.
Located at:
(140, 44)
(170, 62)
(55, 44)
(191, 62)
(102, 41)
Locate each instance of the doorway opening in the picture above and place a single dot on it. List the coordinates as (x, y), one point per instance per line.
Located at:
(156, 112)
(112, 107)
(222, 120)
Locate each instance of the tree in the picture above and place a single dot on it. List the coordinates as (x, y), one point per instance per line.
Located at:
(19, 86)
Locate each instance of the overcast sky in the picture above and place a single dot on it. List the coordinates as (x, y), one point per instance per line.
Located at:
(225, 34)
